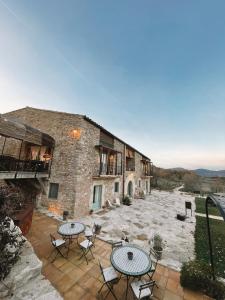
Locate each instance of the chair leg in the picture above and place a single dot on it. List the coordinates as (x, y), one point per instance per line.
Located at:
(101, 287)
(84, 254)
(91, 252)
(110, 290)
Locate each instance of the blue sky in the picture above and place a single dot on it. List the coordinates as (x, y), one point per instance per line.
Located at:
(151, 72)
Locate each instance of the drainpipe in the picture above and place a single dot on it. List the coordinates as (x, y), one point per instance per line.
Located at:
(124, 168)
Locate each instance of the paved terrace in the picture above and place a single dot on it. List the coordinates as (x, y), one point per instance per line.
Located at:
(75, 280)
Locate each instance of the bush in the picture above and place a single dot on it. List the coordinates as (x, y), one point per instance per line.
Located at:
(127, 200)
(11, 241)
(197, 275)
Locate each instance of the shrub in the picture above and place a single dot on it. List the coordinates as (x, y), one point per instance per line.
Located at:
(127, 200)
(197, 275)
(11, 241)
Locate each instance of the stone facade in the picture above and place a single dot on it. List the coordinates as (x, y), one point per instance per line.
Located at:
(76, 162)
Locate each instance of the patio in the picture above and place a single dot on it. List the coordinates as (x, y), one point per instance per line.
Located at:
(74, 279)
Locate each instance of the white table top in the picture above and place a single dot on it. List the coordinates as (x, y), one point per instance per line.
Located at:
(66, 229)
(139, 265)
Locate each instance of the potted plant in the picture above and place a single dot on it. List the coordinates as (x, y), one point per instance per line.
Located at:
(127, 201)
(97, 228)
(65, 215)
(158, 245)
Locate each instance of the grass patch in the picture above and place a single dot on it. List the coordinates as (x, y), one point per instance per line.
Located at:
(218, 241)
(200, 207)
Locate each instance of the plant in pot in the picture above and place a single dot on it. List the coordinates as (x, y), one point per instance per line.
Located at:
(158, 245)
(141, 195)
(127, 201)
(97, 228)
(65, 215)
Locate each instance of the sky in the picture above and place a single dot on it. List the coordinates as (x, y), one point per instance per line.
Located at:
(151, 72)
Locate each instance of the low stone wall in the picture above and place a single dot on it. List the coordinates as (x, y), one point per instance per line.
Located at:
(25, 281)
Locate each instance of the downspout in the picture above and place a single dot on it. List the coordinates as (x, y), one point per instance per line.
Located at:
(123, 169)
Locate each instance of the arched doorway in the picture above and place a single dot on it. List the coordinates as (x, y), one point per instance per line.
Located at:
(130, 189)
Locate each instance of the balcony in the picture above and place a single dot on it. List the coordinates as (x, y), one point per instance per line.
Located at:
(11, 168)
(110, 162)
(25, 151)
(146, 168)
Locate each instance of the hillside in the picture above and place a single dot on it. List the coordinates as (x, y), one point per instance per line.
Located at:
(209, 173)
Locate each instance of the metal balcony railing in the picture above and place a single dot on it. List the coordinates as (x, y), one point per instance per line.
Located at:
(10, 164)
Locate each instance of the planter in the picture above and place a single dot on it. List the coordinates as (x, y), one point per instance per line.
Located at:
(65, 215)
(97, 229)
(158, 253)
(181, 217)
(23, 218)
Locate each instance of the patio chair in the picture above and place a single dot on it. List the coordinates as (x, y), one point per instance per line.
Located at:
(89, 232)
(117, 244)
(142, 289)
(86, 246)
(110, 205)
(154, 260)
(117, 202)
(58, 244)
(110, 278)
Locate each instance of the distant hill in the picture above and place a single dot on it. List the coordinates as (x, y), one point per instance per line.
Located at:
(209, 173)
(201, 172)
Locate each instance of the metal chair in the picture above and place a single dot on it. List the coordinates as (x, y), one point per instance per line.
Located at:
(86, 246)
(117, 244)
(89, 232)
(154, 259)
(142, 289)
(57, 244)
(110, 278)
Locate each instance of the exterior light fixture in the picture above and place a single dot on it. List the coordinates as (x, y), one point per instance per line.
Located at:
(75, 133)
(219, 201)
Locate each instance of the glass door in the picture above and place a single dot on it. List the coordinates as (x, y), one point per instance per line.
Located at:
(97, 197)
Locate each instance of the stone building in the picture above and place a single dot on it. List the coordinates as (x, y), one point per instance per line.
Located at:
(89, 165)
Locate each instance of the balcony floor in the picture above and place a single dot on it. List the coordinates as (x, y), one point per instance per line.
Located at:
(22, 175)
(74, 279)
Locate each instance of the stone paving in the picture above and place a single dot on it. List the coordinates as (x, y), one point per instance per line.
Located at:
(74, 279)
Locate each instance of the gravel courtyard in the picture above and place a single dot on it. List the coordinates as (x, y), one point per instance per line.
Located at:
(156, 214)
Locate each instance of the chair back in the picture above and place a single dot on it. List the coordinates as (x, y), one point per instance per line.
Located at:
(117, 244)
(92, 238)
(154, 257)
(149, 285)
(101, 268)
(52, 239)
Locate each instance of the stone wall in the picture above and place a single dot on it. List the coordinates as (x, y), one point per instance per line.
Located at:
(25, 281)
(65, 157)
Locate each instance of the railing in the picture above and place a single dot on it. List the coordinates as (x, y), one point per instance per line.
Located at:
(110, 169)
(147, 173)
(9, 163)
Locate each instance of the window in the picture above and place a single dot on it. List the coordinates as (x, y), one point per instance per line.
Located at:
(116, 187)
(146, 186)
(53, 190)
(139, 183)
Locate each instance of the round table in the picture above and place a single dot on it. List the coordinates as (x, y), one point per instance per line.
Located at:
(68, 231)
(138, 266)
